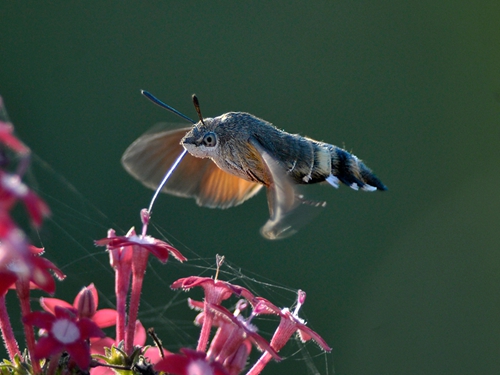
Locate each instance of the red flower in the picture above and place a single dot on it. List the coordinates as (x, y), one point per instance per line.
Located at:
(63, 332)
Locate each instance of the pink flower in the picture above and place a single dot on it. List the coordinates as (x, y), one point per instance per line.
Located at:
(233, 331)
(23, 268)
(290, 323)
(141, 247)
(63, 332)
(190, 362)
(32, 268)
(216, 291)
(42, 271)
(235, 361)
(158, 248)
(85, 303)
(13, 189)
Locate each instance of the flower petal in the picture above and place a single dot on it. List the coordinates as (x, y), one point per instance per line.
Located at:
(97, 345)
(40, 319)
(89, 329)
(158, 248)
(139, 334)
(80, 352)
(47, 347)
(104, 318)
(49, 304)
(306, 333)
(62, 313)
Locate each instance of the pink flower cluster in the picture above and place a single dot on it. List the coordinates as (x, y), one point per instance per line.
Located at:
(235, 336)
(21, 265)
(71, 336)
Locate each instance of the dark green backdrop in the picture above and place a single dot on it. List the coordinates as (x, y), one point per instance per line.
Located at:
(400, 282)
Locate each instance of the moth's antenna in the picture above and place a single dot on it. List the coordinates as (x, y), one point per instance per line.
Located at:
(158, 102)
(197, 107)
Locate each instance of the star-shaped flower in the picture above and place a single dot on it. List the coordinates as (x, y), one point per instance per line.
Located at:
(290, 323)
(63, 332)
(85, 303)
(158, 248)
(216, 291)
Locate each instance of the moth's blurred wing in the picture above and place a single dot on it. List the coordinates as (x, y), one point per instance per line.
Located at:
(220, 189)
(288, 209)
(152, 155)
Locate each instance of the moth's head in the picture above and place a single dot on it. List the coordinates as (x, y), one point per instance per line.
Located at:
(209, 139)
(202, 140)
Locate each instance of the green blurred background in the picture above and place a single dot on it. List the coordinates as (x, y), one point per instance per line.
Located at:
(399, 282)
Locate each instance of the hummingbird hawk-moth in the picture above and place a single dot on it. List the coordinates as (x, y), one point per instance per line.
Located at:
(232, 156)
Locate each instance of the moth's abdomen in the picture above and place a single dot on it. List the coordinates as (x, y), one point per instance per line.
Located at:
(308, 161)
(348, 169)
(311, 163)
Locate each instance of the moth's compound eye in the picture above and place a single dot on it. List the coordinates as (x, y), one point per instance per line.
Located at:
(210, 139)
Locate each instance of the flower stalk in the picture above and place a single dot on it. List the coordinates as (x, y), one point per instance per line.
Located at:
(7, 332)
